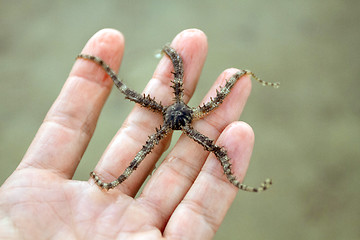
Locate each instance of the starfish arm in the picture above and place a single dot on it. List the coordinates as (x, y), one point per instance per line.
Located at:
(178, 72)
(145, 150)
(222, 156)
(221, 94)
(145, 101)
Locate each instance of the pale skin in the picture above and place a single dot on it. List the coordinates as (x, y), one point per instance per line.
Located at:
(187, 196)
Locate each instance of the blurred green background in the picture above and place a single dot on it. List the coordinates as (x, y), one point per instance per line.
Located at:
(307, 131)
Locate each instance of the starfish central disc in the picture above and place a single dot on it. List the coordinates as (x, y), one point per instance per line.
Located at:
(177, 115)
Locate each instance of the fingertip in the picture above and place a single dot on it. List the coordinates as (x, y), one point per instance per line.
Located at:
(238, 138)
(105, 38)
(191, 33)
(240, 132)
(192, 40)
(110, 32)
(107, 44)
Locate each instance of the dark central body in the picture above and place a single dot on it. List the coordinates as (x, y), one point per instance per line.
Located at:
(178, 115)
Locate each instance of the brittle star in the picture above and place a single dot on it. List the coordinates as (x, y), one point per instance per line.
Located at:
(178, 116)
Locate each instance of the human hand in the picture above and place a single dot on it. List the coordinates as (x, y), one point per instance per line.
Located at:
(187, 197)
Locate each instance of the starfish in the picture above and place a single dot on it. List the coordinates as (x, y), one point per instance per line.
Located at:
(178, 116)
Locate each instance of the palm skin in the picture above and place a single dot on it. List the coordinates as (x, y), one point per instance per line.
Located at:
(51, 207)
(186, 198)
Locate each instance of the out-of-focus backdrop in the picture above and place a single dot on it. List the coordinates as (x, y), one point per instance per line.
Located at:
(307, 131)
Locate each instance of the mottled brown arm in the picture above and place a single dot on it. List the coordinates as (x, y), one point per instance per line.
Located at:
(221, 94)
(145, 150)
(145, 101)
(178, 72)
(221, 155)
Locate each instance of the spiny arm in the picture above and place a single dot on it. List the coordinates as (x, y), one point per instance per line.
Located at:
(221, 155)
(206, 108)
(178, 72)
(145, 101)
(145, 150)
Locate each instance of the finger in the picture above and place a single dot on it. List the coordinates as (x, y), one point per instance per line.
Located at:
(141, 123)
(211, 195)
(70, 123)
(169, 184)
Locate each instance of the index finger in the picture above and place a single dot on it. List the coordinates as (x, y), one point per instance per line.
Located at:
(68, 126)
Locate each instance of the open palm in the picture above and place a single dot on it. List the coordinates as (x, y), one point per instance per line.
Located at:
(187, 197)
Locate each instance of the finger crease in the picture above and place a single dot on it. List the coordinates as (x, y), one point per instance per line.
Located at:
(199, 209)
(182, 172)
